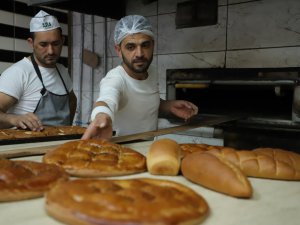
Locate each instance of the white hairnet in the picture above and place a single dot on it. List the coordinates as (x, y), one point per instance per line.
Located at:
(132, 24)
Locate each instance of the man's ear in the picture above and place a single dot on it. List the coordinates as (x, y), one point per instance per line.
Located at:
(30, 42)
(118, 50)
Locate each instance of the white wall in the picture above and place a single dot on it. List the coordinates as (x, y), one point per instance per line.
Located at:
(16, 16)
(258, 33)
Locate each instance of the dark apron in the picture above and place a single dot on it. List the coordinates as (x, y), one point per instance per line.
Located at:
(52, 109)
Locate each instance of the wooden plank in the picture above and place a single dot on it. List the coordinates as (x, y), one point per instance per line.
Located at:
(200, 122)
(22, 152)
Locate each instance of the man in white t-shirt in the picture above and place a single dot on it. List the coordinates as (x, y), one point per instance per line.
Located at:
(37, 90)
(129, 100)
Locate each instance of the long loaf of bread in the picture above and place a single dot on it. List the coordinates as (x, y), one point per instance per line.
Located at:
(216, 173)
(269, 163)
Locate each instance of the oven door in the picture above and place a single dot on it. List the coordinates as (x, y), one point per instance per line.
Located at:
(265, 103)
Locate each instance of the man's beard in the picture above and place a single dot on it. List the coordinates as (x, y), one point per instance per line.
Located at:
(46, 60)
(136, 69)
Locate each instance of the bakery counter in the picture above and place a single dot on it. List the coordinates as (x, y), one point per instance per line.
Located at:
(273, 202)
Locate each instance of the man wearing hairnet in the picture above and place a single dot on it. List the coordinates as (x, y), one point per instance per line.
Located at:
(37, 90)
(129, 100)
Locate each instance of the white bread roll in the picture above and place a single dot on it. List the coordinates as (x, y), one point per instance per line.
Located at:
(163, 157)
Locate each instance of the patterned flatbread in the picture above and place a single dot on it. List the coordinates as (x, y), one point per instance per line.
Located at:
(96, 158)
(133, 201)
(20, 179)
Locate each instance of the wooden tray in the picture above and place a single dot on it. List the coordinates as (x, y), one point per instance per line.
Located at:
(51, 134)
(40, 139)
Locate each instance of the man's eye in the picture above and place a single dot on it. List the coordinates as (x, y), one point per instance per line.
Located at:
(56, 43)
(130, 47)
(43, 44)
(146, 44)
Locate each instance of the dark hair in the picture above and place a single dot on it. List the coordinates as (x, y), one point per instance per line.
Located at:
(31, 34)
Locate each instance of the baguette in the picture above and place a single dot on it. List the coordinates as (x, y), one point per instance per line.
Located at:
(264, 162)
(164, 157)
(216, 173)
(271, 163)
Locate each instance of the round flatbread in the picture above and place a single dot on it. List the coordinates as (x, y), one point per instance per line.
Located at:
(96, 158)
(133, 201)
(27, 179)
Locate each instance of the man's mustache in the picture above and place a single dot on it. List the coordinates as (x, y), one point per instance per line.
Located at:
(139, 60)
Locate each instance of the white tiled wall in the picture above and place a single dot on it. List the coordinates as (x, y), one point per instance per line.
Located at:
(20, 19)
(258, 33)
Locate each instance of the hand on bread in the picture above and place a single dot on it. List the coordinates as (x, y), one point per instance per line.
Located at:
(100, 128)
(27, 121)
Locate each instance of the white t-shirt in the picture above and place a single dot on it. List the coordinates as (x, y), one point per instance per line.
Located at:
(134, 102)
(21, 82)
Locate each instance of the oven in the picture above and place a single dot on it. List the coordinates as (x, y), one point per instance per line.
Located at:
(267, 99)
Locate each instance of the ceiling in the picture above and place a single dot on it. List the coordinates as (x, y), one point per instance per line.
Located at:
(114, 9)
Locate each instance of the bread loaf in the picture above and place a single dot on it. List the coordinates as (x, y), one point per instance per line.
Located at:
(289, 157)
(215, 173)
(163, 157)
(188, 148)
(264, 162)
(271, 163)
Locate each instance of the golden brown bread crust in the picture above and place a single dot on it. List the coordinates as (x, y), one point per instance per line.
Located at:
(164, 157)
(70, 130)
(188, 148)
(133, 201)
(4, 135)
(96, 158)
(259, 164)
(289, 157)
(49, 131)
(271, 163)
(22, 179)
(216, 174)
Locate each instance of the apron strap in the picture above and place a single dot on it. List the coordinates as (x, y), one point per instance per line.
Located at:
(67, 91)
(38, 72)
